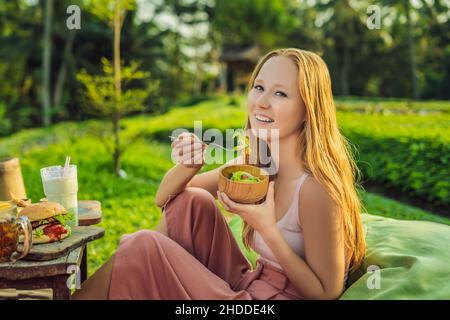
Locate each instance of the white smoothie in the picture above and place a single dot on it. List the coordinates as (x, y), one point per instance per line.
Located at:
(62, 188)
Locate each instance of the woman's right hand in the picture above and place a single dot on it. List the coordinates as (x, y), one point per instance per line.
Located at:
(188, 150)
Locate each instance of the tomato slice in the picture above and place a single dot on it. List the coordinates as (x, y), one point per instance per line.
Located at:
(55, 232)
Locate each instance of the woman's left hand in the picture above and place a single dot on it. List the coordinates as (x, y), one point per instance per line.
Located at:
(259, 216)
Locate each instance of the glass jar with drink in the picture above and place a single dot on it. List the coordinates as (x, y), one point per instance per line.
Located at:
(10, 229)
(61, 186)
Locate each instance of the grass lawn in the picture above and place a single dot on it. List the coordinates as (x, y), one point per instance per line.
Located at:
(128, 204)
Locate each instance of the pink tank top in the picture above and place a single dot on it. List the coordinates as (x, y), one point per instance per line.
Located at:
(290, 228)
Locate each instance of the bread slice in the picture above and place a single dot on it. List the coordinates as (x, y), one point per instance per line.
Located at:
(42, 210)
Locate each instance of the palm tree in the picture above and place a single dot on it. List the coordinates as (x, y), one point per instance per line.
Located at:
(46, 63)
(403, 8)
(411, 48)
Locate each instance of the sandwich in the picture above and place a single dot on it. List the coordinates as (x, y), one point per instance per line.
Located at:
(48, 221)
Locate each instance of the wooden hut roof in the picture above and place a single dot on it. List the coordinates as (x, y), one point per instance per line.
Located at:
(241, 53)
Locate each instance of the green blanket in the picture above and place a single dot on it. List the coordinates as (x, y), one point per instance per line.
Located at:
(412, 258)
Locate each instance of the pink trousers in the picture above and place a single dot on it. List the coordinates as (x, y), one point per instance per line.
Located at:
(199, 259)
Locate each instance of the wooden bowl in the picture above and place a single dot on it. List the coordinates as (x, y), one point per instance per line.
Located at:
(240, 191)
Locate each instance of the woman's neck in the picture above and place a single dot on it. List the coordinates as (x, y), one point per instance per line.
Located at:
(287, 159)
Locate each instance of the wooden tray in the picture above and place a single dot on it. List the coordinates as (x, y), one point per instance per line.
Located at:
(89, 212)
(79, 237)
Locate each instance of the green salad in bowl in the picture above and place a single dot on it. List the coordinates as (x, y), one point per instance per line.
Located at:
(243, 176)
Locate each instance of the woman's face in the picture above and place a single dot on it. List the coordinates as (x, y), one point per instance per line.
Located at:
(274, 101)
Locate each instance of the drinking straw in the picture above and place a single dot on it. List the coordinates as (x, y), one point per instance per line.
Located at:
(66, 166)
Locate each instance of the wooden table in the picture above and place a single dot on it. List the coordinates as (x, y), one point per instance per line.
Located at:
(48, 279)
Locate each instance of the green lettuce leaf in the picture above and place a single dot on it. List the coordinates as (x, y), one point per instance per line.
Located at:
(39, 232)
(64, 218)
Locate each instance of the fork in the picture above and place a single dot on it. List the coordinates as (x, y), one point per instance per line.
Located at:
(210, 144)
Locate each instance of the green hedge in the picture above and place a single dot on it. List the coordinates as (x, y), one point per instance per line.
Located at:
(410, 153)
(391, 106)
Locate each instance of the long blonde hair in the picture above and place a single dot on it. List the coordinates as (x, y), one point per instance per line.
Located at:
(325, 152)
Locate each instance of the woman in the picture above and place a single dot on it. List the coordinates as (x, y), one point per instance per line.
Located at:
(308, 230)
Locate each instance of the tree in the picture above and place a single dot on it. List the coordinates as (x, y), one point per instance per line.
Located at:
(435, 60)
(266, 23)
(404, 10)
(101, 99)
(105, 94)
(46, 63)
(411, 49)
(345, 29)
(187, 46)
(21, 88)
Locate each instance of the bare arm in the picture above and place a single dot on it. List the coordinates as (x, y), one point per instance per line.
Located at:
(184, 175)
(210, 180)
(180, 177)
(174, 182)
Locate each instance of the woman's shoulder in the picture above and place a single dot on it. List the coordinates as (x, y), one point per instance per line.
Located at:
(311, 187)
(313, 199)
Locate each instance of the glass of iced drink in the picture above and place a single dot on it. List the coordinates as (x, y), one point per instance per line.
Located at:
(61, 186)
